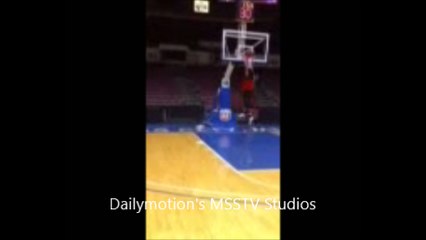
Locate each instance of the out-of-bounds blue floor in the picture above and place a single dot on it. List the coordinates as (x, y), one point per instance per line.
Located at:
(245, 149)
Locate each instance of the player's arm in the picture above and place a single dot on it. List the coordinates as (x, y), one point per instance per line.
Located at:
(227, 77)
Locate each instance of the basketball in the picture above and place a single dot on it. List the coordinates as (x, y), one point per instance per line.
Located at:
(225, 115)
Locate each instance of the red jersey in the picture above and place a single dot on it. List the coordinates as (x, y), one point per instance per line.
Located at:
(247, 85)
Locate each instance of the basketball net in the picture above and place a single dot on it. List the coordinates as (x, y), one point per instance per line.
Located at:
(248, 59)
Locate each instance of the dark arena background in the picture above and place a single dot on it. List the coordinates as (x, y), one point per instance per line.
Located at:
(184, 65)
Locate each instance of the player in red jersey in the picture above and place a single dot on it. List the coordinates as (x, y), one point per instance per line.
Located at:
(248, 87)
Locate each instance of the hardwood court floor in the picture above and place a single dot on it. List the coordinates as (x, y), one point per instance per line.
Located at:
(181, 167)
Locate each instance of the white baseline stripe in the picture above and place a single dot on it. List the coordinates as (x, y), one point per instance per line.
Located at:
(260, 170)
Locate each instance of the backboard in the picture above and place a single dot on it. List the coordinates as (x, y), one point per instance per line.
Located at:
(236, 42)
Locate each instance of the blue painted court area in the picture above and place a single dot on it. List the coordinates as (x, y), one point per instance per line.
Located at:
(246, 148)
(246, 151)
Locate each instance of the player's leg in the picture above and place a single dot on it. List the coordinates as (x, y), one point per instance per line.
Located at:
(250, 108)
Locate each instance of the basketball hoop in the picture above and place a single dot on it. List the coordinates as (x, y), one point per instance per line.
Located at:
(248, 59)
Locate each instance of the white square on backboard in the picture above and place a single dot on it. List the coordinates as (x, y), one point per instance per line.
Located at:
(201, 6)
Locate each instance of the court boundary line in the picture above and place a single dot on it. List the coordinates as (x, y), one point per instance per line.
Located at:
(260, 170)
